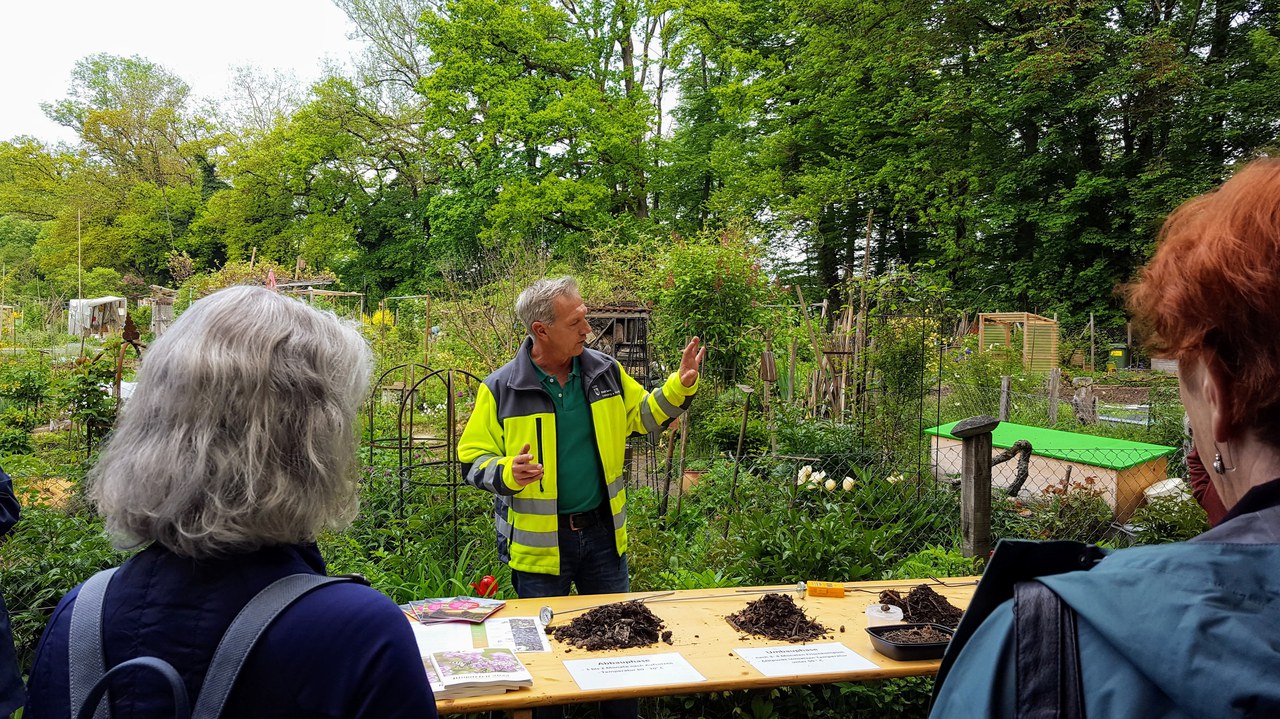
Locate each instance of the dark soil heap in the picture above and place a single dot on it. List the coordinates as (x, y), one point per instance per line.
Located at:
(916, 635)
(776, 616)
(613, 626)
(923, 605)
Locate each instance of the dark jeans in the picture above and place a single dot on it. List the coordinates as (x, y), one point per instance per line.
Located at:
(589, 561)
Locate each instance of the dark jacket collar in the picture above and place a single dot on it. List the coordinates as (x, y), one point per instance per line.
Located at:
(523, 377)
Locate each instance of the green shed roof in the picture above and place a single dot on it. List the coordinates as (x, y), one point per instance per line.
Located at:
(1070, 446)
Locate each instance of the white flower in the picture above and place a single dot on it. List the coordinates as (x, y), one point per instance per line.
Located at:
(830, 485)
(893, 478)
(804, 474)
(847, 484)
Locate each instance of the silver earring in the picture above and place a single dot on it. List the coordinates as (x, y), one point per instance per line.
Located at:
(1218, 465)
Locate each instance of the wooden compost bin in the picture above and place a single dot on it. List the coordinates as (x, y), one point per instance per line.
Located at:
(1039, 337)
(1121, 469)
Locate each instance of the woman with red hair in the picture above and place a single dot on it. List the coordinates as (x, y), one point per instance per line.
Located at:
(1189, 629)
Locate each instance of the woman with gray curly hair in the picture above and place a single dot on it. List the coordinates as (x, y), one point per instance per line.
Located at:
(237, 448)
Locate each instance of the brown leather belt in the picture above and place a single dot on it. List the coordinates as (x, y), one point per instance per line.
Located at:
(579, 521)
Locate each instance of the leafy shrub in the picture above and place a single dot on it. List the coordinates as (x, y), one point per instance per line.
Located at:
(722, 434)
(1175, 518)
(25, 385)
(788, 544)
(16, 418)
(710, 286)
(934, 561)
(408, 551)
(905, 698)
(48, 553)
(90, 405)
(815, 437)
(14, 440)
(1076, 513)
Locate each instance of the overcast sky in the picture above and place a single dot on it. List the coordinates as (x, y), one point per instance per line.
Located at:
(197, 41)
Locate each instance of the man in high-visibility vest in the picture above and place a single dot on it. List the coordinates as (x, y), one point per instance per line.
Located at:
(547, 437)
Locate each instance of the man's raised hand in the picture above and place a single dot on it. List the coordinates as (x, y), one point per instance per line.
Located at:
(690, 361)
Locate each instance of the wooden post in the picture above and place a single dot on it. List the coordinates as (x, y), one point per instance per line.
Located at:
(769, 375)
(1093, 360)
(426, 337)
(1005, 398)
(819, 359)
(791, 372)
(975, 484)
(1055, 377)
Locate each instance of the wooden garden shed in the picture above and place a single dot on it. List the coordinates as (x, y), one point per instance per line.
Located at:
(1039, 337)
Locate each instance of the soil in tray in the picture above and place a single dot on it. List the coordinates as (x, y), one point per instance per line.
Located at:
(613, 626)
(916, 635)
(776, 616)
(923, 606)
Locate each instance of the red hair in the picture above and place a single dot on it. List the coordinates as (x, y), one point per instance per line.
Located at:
(1212, 291)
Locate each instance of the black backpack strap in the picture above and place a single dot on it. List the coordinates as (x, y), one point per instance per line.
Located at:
(88, 680)
(181, 705)
(86, 663)
(244, 632)
(1047, 655)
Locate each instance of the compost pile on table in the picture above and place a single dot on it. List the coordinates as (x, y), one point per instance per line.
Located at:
(613, 626)
(776, 616)
(923, 605)
(916, 635)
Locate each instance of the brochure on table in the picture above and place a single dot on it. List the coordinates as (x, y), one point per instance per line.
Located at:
(475, 672)
(632, 671)
(452, 609)
(787, 661)
(519, 634)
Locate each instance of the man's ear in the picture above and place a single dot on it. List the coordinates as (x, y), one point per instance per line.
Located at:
(538, 330)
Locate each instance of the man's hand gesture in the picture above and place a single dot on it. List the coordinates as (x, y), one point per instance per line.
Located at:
(690, 361)
(523, 469)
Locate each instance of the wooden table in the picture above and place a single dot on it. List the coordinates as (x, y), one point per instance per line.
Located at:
(702, 636)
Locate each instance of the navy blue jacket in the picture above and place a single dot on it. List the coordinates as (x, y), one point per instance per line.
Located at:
(11, 693)
(1176, 630)
(343, 650)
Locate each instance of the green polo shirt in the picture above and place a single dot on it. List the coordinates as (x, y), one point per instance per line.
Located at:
(580, 481)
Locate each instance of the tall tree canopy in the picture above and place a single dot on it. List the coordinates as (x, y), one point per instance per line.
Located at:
(1022, 152)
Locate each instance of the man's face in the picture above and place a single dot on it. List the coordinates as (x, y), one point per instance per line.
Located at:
(567, 335)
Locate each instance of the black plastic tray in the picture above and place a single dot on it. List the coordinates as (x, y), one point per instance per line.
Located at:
(908, 652)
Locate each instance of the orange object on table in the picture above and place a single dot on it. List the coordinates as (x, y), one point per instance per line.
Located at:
(825, 589)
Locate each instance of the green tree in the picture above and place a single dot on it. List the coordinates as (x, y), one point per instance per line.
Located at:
(132, 114)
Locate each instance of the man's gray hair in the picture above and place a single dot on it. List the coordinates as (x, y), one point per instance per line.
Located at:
(241, 432)
(538, 302)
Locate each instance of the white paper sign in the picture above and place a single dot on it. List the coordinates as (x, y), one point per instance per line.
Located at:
(519, 634)
(804, 659)
(632, 671)
(442, 636)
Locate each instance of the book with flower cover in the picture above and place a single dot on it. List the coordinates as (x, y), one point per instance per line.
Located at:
(475, 672)
(452, 609)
